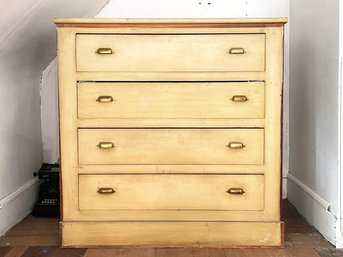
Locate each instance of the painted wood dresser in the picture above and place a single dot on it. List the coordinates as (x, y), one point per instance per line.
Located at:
(171, 131)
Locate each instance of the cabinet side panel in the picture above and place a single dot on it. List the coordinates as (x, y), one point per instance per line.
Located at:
(273, 85)
(68, 120)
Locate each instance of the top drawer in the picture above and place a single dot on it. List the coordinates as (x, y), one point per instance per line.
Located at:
(173, 53)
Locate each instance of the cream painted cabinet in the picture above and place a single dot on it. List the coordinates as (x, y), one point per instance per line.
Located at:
(170, 131)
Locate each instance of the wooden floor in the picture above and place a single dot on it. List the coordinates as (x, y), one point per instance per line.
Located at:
(38, 237)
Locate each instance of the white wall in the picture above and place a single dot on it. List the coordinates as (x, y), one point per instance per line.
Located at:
(174, 9)
(194, 9)
(49, 113)
(27, 45)
(339, 224)
(314, 87)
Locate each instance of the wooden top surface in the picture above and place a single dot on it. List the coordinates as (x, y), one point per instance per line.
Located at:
(163, 22)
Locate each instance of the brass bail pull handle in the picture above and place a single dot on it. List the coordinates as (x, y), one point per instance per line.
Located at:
(106, 190)
(105, 99)
(237, 50)
(235, 191)
(239, 98)
(236, 145)
(104, 51)
(106, 145)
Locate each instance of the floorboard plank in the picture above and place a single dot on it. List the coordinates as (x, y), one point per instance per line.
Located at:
(143, 252)
(288, 242)
(233, 252)
(38, 251)
(264, 253)
(32, 226)
(167, 252)
(116, 252)
(4, 250)
(298, 225)
(64, 252)
(329, 252)
(16, 251)
(201, 252)
(185, 252)
(309, 240)
(216, 252)
(35, 240)
(302, 252)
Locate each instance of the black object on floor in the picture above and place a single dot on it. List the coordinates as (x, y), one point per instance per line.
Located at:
(48, 203)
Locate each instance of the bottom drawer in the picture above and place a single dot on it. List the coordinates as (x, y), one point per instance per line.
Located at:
(171, 192)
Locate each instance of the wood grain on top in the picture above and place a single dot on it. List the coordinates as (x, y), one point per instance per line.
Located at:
(173, 23)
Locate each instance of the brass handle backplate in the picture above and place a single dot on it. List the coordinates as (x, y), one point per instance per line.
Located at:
(104, 51)
(235, 191)
(239, 98)
(106, 145)
(236, 145)
(105, 99)
(106, 190)
(237, 50)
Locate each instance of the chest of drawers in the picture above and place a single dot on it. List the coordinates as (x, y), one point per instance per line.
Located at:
(170, 131)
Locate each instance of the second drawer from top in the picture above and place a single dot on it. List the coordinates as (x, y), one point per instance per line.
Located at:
(211, 100)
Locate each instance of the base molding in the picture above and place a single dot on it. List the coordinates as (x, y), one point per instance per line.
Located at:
(172, 234)
(315, 209)
(17, 205)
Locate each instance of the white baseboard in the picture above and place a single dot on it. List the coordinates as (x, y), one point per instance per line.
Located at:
(314, 208)
(17, 205)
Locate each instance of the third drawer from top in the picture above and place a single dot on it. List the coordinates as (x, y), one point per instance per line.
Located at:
(171, 146)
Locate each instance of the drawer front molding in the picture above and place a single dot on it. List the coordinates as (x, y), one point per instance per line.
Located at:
(168, 53)
(204, 100)
(171, 146)
(171, 192)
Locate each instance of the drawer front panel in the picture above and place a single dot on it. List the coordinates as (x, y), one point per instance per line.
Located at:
(171, 146)
(170, 53)
(171, 100)
(171, 192)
